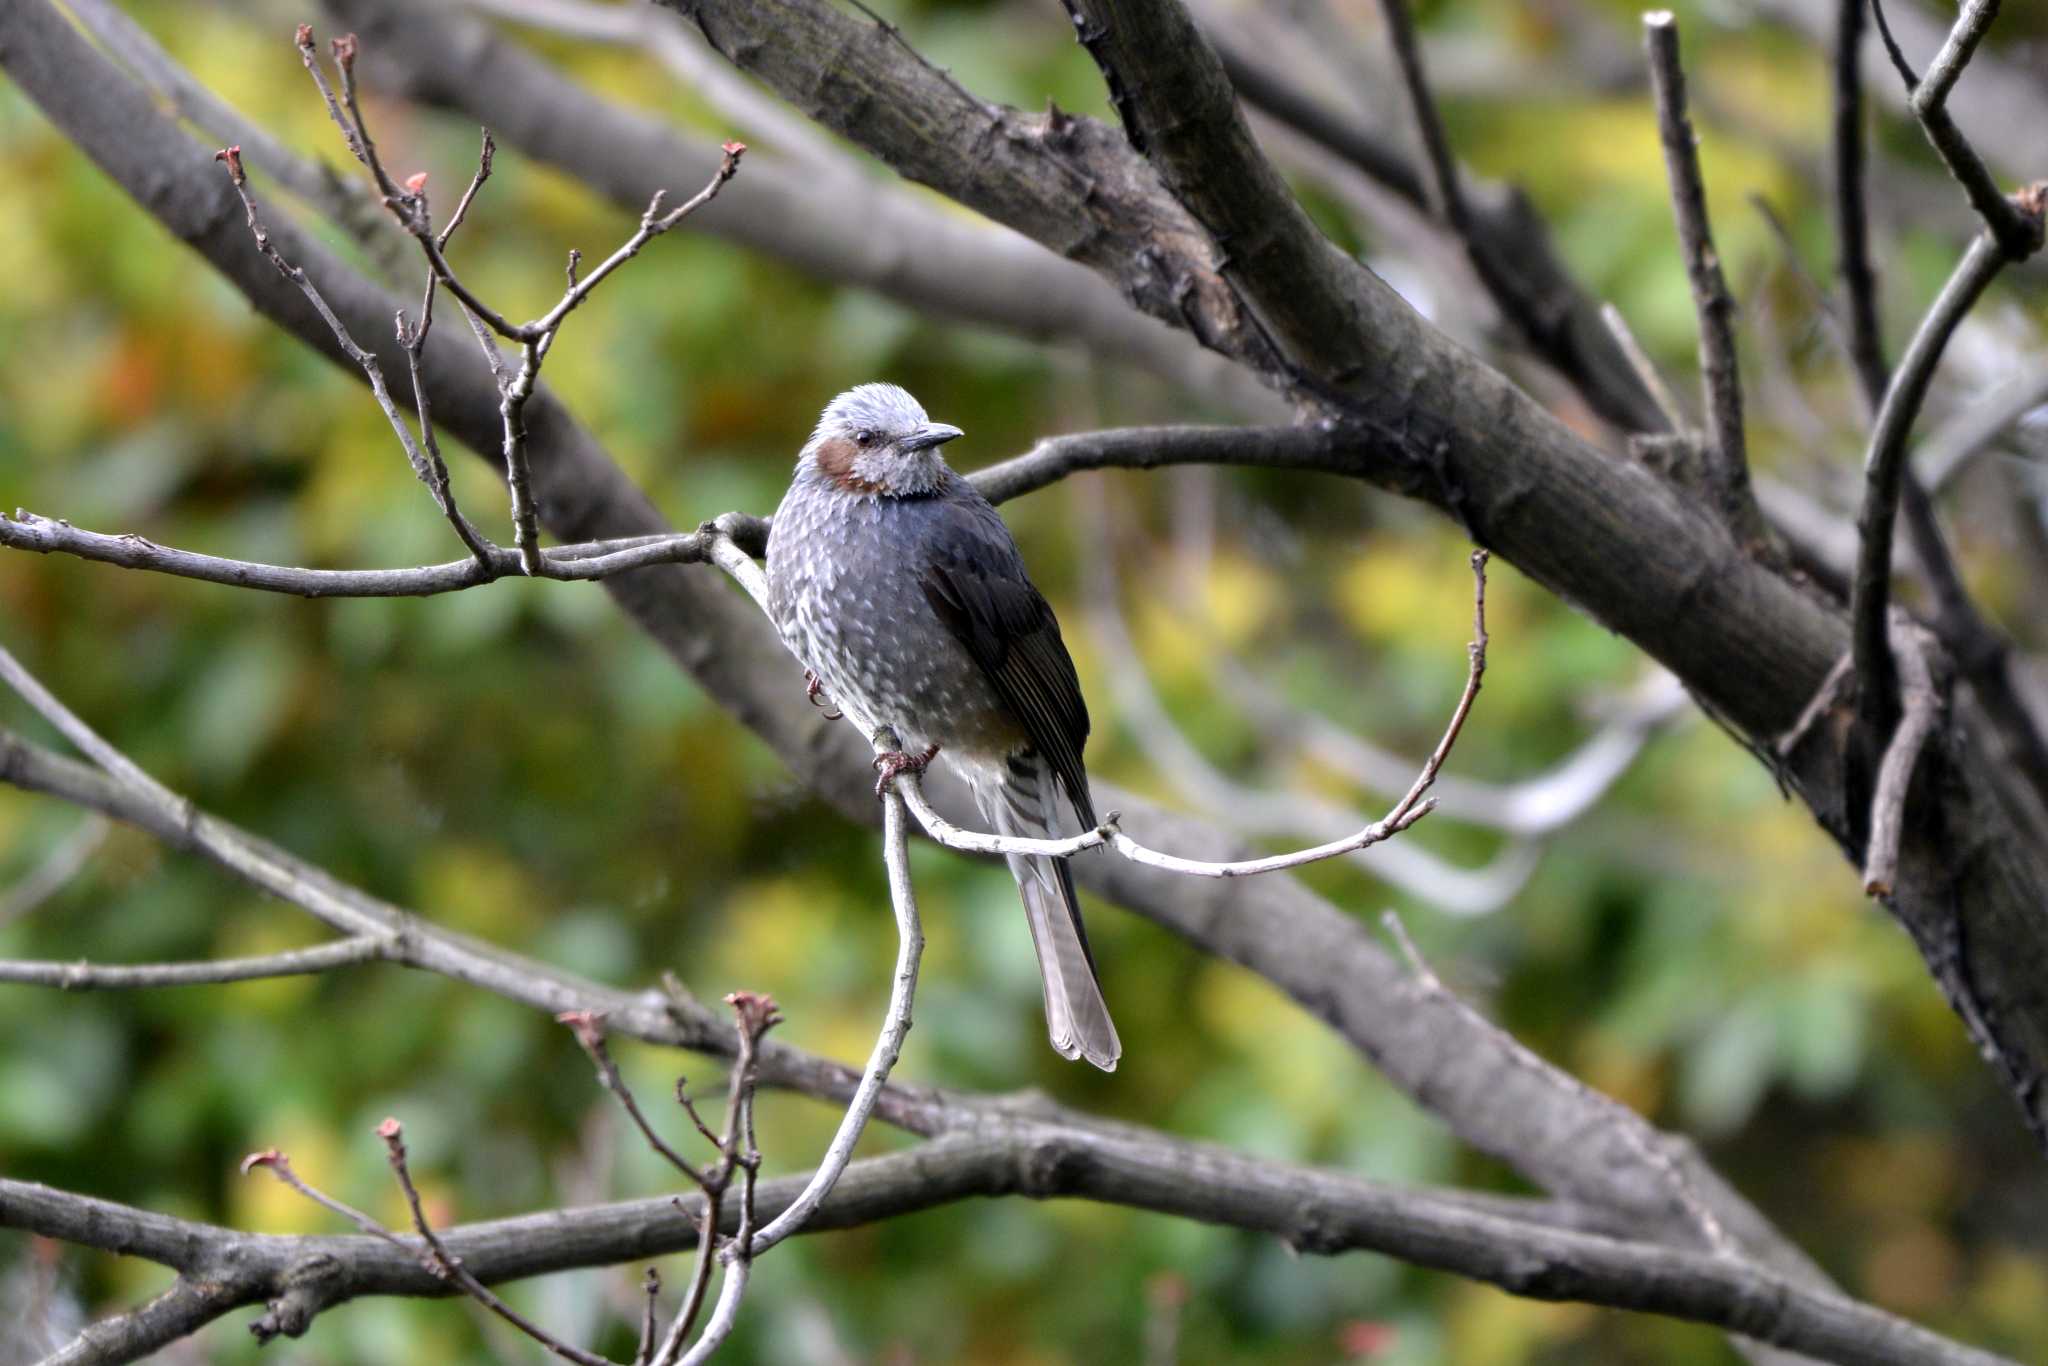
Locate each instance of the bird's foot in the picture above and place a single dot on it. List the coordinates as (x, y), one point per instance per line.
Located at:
(896, 761)
(815, 691)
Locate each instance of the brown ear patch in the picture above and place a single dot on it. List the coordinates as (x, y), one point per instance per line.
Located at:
(835, 458)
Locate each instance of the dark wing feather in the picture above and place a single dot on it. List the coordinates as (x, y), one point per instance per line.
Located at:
(976, 585)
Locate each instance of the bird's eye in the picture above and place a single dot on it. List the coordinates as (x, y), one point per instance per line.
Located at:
(864, 437)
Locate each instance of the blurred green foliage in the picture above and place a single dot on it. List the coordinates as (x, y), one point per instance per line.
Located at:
(517, 763)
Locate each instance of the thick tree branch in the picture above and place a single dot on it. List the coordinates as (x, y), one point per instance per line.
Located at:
(846, 227)
(1509, 245)
(1314, 1211)
(1608, 535)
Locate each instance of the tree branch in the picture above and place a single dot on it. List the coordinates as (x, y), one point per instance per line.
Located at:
(1921, 703)
(1852, 217)
(1506, 240)
(2018, 233)
(589, 561)
(848, 227)
(82, 976)
(1314, 1211)
(1726, 449)
(1604, 533)
(1884, 467)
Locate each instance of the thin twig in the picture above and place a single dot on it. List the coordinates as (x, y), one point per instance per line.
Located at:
(582, 562)
(538, 336)
(432, 471)
(1852, 214)
(888, 1045)
(1725, 444)
(280, 1166)
(408, 204)
(1410, 808)
(1883, 469)
(650, 1285)
(83, 976)
(2018, 233)
(1907, 75)
(588, 1027)
(449, 1267)
(1921, 705)
(1446, 197)
(1645, 368)
(476, 182)
(754, 1015)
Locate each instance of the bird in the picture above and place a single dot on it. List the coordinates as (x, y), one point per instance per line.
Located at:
(902, 593)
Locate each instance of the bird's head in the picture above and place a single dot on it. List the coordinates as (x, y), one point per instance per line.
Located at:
(876, 440)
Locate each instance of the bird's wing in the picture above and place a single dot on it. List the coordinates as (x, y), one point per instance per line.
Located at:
(975, 582)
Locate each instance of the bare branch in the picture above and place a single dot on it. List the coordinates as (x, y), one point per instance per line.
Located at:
(1884, 468)
(1892, 50)
(2016, 230)
(888, 1045)
(1852, 217)
(1017, 1153)
(1726, 448)
(1505, 239)
(589, 561)
(1411, 807)
(1446, 198)
(423, 464)
(1655, 1148)
(449, 1267)
(1645, 368)
(83, 976)
(588, 1027)
(1921, 704)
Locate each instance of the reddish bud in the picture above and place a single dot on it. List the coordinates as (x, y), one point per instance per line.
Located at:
(587, 1024)
(269, 1157)
(733, 149)
(757, 1012)
(416, 183)
(389, 1129)
(304, 37)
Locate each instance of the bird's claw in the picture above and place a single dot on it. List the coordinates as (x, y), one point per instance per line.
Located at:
(814, 690)
(896, 761)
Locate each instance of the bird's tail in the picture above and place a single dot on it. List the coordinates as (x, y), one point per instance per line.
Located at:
(1021, 802)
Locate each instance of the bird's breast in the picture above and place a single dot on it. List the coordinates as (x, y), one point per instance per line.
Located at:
(846, 588)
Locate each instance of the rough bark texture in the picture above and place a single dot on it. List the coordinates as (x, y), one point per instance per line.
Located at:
(1643, 556)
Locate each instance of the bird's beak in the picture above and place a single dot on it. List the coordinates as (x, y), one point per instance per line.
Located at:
(930, 435)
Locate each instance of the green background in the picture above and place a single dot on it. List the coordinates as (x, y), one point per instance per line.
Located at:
(517, 763)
